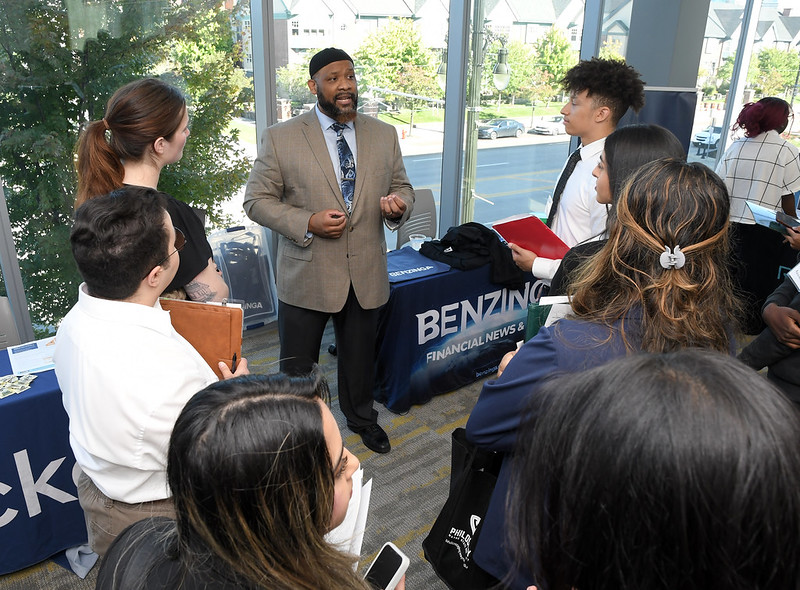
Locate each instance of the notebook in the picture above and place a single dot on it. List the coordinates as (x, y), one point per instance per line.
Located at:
(213, 329)
(531, 233)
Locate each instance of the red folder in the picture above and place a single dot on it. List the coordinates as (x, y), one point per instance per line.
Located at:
(532, 234)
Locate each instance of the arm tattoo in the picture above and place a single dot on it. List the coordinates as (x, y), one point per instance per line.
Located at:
(198, 291)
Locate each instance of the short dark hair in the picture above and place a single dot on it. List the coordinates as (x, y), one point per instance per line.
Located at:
(118, 238)
(665, 471)
(253, 482)
(608, 82)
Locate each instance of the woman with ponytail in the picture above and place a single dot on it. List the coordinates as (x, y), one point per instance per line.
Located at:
(764, 168)
(659, 284)
(145, 128)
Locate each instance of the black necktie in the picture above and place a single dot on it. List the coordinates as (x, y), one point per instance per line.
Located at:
(574, 158)
(347, 164)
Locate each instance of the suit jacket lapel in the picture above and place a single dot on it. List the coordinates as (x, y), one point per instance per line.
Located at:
(312, 131)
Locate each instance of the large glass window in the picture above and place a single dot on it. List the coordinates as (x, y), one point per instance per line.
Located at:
(772, 69)
(399, 58)
(519, 137)
(61, 63)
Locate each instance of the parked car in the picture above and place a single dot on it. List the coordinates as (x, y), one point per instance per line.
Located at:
(707, 137)
(500, 128)
(550, 126)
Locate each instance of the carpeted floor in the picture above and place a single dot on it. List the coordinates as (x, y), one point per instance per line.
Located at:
(409, 484)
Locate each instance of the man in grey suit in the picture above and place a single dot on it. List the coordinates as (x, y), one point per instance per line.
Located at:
(326, 182)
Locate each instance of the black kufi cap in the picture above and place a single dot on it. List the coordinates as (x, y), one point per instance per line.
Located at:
(325, 57)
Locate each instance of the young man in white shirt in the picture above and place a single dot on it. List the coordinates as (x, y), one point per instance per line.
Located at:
(124, 372)
(601, 91)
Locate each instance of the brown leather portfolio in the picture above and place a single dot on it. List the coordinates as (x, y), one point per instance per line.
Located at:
(215, 330)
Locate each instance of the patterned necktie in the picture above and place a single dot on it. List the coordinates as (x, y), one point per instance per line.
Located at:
(574, 157)
(347, 164)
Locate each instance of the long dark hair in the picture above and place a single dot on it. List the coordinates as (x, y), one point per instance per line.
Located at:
(630, 147)
(253, 483)
(666, 471)
(136, 115)
(666, 203)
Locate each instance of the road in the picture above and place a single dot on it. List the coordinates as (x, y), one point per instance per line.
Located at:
(514, 175)
(509, 180)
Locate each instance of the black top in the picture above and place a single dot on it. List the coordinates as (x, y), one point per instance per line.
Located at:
(573, 259)
(144, 556)
(195, 254)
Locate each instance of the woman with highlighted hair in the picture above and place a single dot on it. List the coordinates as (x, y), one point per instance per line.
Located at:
(660, 283)
(625, 151)
(259, 475)
(764, 168)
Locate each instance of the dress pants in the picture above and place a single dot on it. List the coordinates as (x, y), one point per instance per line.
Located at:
(107, 518)
(356, 331)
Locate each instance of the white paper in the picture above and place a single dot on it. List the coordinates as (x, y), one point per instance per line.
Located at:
(32, 357)
(794, 275)
(349, 535)
(560, 307)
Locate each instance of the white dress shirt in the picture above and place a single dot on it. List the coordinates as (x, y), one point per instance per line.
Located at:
(580, 217)
(349, 134)
(125, 375)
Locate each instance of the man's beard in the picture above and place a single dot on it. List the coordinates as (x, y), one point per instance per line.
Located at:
(334, 112)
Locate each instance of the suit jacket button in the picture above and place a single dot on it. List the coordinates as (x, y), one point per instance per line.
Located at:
(351, 228)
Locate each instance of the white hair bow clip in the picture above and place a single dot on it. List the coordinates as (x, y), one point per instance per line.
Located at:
(672, 259)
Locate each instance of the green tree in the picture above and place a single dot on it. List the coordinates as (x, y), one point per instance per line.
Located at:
(394, 59)
(612, 49)
(541, 89)
(777, 71)
(521, 62)
(725, 73)
(554, 54)
(292, 82)
(56, 75)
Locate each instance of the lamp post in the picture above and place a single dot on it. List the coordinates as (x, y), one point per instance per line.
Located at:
(502, 72)
(501, 76)
(441, 73)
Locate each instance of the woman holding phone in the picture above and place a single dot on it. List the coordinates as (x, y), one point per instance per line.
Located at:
(259, 475)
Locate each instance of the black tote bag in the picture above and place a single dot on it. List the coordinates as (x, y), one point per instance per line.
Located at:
(452, 539)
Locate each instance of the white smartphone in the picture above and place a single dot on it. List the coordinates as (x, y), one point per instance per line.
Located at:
(388, 568)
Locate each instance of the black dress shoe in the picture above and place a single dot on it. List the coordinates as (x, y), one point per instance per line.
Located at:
(375, 439)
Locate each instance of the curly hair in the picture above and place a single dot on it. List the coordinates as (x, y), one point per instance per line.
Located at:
(765, 115)
(609, 83)
(665, 203)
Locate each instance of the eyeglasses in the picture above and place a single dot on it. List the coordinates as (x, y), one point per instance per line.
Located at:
(180, 242)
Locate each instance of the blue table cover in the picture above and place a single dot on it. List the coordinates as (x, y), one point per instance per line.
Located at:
(39, 510)
(440, 332)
